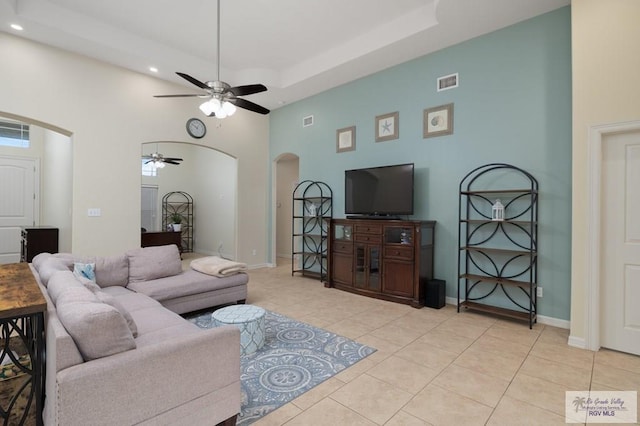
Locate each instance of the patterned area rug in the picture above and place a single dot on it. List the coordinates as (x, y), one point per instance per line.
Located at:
(295, 358)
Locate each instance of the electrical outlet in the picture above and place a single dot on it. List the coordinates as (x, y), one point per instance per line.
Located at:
(539, 290)
(253, 252)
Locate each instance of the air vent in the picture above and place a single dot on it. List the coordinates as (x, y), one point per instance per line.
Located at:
(447, 82)
(307, 121)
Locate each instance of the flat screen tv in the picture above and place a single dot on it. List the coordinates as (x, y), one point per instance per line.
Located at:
(379, 191)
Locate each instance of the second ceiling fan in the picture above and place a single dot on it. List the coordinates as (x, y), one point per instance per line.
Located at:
(222, 98)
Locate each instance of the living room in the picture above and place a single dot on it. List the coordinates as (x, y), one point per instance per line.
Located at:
(527, 95)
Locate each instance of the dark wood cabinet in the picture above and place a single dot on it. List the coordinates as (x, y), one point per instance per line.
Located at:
(149, 239)
(387, 259)
(36, 240)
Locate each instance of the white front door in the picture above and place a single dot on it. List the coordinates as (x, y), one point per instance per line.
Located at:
(620, 267)
(19, 179)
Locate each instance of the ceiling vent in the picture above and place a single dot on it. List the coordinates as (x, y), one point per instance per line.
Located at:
(307, 121)
(447, 82)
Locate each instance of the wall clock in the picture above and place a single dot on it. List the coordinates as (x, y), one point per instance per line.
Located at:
(196, 128)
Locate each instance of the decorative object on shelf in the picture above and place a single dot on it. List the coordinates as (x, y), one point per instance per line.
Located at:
(179, 203)
(497, 211)
(312, 209)
(438, 121)
(405, 237)
(387, 127)
(176, 222)
(346, 139)
(497, 260)
(196, 128)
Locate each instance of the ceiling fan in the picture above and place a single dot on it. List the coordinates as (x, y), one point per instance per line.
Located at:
(159, 160)
(222, 99)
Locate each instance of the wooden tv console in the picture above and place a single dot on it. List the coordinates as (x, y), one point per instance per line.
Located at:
(386, 259)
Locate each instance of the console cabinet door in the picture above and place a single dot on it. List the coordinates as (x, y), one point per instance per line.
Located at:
(398, 278)
(367, 267)
(343, 268)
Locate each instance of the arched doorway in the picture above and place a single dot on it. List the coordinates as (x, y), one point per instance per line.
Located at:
(286, 170)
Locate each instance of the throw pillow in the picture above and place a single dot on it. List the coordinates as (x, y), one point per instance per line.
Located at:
(150, 263)
(112, 270)
(98, 329)
(110, 300)
(86, 270)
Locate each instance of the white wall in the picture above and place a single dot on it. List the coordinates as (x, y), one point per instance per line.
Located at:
(110, 112)
(286, 178)
(57, 181)
(606, 89)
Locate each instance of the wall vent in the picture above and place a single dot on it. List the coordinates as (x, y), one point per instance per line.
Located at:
(307, 121)
(447, 82)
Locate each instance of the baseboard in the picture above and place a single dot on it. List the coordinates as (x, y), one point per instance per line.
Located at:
(260, 265)
(577, 342)
(542, 319)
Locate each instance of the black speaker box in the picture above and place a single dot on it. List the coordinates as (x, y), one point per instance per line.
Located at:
(435, 293)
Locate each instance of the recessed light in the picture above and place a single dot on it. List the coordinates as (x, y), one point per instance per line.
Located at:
(17, 27)
(153, 69)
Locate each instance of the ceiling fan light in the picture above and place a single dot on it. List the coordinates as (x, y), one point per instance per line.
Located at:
(221, 113)
(208, 107)
(229, 108)
(159, 164)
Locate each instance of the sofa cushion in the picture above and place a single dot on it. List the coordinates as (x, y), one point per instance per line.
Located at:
(112, 270)
(98, 329)
(149, 263)
(187, 283)
(59, 282)
(49, 267)
(110, 300)
(38, 259)
(73, 294)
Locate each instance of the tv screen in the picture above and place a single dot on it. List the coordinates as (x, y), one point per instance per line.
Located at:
(379, 191)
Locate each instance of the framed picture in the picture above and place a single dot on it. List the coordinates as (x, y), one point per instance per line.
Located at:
(387, 127)
(346, 139)
(438, 121)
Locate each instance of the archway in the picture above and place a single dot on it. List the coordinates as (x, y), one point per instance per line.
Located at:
(211, 178)
(285, 176)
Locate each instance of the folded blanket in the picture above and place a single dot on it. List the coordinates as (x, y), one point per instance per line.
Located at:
(214, 265)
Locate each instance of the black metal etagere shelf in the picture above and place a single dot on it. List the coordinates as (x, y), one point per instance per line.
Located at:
(498, 256)
(181, 203)
(312, 210)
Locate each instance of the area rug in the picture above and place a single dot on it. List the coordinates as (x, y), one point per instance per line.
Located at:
(295, 358)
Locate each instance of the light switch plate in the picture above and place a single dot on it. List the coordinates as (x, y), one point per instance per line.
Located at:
(94, 212)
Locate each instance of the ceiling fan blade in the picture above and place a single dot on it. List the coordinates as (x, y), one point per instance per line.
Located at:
(243, 103)
(249, 89)
(173, 159)
(177, 96)
(193, 80)
(171, 162)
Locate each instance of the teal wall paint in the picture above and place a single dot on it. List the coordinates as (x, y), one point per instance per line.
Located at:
(513, 105)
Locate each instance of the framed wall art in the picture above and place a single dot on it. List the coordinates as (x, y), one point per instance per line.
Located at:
(346, 139)
(438, 121)
(387, 126)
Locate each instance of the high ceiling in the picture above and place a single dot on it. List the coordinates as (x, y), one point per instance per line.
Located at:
(297, 48)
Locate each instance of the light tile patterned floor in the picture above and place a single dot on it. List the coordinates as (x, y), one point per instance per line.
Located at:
(435, 367)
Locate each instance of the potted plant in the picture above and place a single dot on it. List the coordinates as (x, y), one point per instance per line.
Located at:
(176, 222)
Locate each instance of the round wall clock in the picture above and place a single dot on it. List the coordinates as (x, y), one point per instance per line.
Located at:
(196, 128)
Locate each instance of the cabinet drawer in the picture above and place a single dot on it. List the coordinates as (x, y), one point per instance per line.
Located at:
(398, 252)
(368, 238)
(343, 246)
(368, 229)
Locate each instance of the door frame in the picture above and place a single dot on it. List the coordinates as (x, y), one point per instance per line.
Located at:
(597, 136)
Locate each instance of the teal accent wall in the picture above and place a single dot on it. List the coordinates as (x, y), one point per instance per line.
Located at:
(513, 105)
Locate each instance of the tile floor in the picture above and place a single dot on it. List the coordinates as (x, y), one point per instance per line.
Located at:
(435, 367)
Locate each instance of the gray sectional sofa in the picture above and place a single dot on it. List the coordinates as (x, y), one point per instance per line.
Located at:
(119, 353)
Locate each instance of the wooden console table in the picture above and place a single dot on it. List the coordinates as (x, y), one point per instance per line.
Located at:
(149, 239)
(22, 308)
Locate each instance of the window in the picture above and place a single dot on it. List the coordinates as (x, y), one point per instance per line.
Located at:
(14, 134)
(148, 168)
